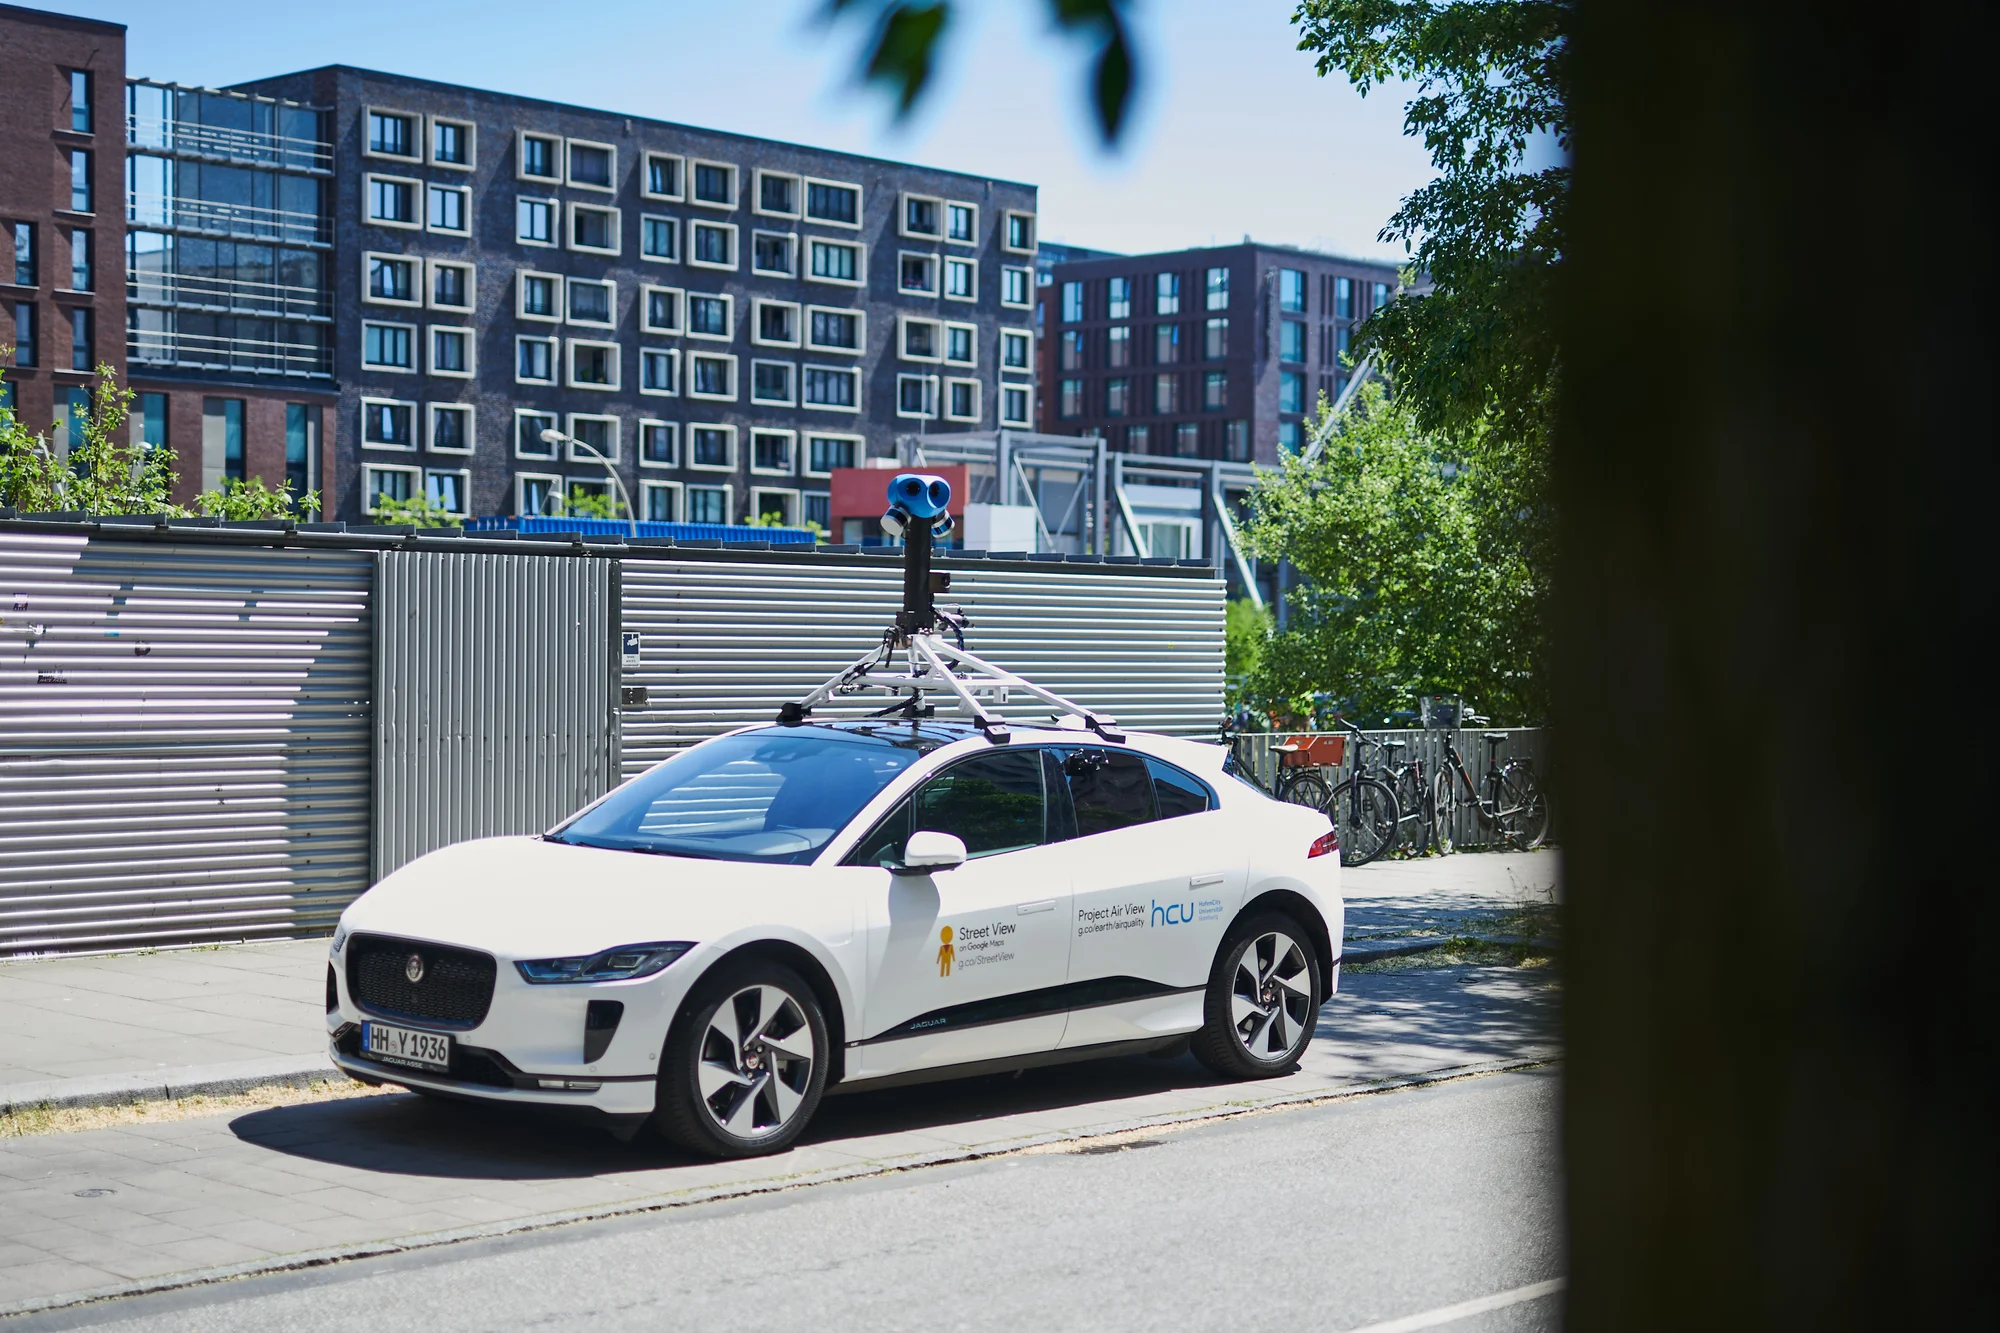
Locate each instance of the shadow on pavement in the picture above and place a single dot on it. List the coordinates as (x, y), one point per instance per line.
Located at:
(1380, 1026)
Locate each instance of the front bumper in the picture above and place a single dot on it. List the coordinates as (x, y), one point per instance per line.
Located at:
(487, 1075)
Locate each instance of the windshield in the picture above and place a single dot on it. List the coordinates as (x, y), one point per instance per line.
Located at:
(774, 796)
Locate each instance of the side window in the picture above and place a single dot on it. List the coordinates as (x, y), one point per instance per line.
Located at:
(885, 842)
(1178, 793)
(992, 802)
(1110, 789)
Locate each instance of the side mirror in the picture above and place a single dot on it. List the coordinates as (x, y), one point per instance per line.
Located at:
(928, 851)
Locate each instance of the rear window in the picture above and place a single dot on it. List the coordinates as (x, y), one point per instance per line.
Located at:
(1178, 793)
(1110, 789)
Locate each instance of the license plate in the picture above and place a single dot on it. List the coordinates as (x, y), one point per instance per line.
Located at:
(406, 1046)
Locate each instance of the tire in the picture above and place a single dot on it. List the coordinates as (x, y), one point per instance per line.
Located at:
(1444, 803)
(1263, 998)
(745, 1065)
(1307, 789)
(1413, 804)
(1526, 826)
(1364, 813)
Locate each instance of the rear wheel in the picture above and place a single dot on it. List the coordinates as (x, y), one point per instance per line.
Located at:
(1524, 818)
(1263, 998)
(1307, 789)
(1413, 804)
(745, 1065)
(1364, 813)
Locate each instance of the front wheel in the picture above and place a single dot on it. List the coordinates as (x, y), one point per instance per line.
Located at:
(1307, 789)
(1365, 815)
(746, 1063)
(1524, 809)
(1263, 997)
(1444, 811)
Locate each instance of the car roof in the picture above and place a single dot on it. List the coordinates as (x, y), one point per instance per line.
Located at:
(931, 734)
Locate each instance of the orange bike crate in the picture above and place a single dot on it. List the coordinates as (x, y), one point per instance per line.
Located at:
(1311, 751)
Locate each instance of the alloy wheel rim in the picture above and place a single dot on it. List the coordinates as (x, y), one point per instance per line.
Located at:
(756, 1062)
(1271, 999)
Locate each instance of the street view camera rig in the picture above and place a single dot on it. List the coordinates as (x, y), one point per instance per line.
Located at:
(918, 513)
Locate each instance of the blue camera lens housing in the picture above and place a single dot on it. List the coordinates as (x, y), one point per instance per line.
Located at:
(920, 494)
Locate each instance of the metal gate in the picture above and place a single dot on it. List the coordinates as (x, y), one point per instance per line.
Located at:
(496, 682)
(723, 643)
(184, 741)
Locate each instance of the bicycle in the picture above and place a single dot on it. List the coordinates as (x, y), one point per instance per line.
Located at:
(1294, 786)
(1513, 802)
(1363, 807)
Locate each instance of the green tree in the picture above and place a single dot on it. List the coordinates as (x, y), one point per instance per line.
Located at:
(1407, 590)
(1245, 627)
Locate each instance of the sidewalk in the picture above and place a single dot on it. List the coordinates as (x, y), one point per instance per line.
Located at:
(96, 1031)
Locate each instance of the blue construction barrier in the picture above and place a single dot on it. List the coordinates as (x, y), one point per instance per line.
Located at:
(680, 532)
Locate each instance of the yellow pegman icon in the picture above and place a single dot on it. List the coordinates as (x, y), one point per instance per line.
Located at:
(945, 952)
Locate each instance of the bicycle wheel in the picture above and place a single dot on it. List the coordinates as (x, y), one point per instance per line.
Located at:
(1308, 789)
(1364, 814)
(1444, 808)
(1523, 818)
(1413, 806)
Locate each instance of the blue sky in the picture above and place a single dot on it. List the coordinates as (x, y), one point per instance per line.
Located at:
(1234, 132)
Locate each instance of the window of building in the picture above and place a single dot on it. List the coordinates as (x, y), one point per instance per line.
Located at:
(446, 488)
(1291, 289)
(774, 383)
(961, 223)
(712, 244)
(79, 101)
(961, 280)
(922, 217)
(1343, 298)
(917, 396)
(538, 295)
(1017, 349)
(1070, 350)
(25, 267)
(449, 209)
(1217, 293)
(916, 274)
(712, 448)
(301, 442)
(921, 340)
(539, 157)
(592, 365)
(389, 346)
(1016, 405)
(451, 285)
(149, 423)
(1138, 439)
(774, 252)
(1167, 294)
(960, 340)
(593, 230)
(1288, 436)
(659, 310)
(25, 350)
(1292, 340)
(385, 423)
(1378, 295)
(771, 451)
(832, 202)
(659, 501)
(708, 504)
(776, 194)
(1236, 441)
(1072, 302)
(1291, 391)
(1166, 394)
(535, 494)
(836, 261)
(1166, 344)
(593, 438)
(1017, 287)
(392, 134)
(659, 371)
(1187, 441)
(824, 453)
(1118, 298)
(451, 142)
(1069, 399)
(711, 317)
(660, 239)
(659, 444)
(593, 166)
(1215, 338)
(833, 330)
(392, 280)
(712, 375)
(451, 428)
(81, 276)
(662, 179)
(535, 221)
(1215, 391)
(773, 505)
(451, 351)
(715, 185)
(82, 337)
(388, 483)
(392, 201)
(831, 388)
(1117, 396)
(592, 302)
(1118, 345)
(535, 360)
(777, 323)
(528, 428)
(1019, 234)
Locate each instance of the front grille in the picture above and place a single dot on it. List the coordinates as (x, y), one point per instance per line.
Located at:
(454, 992)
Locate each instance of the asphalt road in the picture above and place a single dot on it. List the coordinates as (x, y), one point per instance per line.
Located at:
(1342, 1216)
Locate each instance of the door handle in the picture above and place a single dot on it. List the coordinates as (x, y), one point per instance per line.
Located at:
(1203, 881)
(1028, 909)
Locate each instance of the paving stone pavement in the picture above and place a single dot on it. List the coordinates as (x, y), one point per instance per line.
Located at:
(140, 1207)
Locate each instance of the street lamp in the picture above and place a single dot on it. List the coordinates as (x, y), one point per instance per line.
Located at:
(554, 436)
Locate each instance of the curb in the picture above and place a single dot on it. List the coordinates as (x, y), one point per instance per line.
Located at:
(220, 1079)
(771, 1185)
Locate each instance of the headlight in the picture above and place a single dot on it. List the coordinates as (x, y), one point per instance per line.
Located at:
(339, 938)
(620, 964)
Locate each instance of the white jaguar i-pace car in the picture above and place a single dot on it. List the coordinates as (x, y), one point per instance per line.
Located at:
(785, 910)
